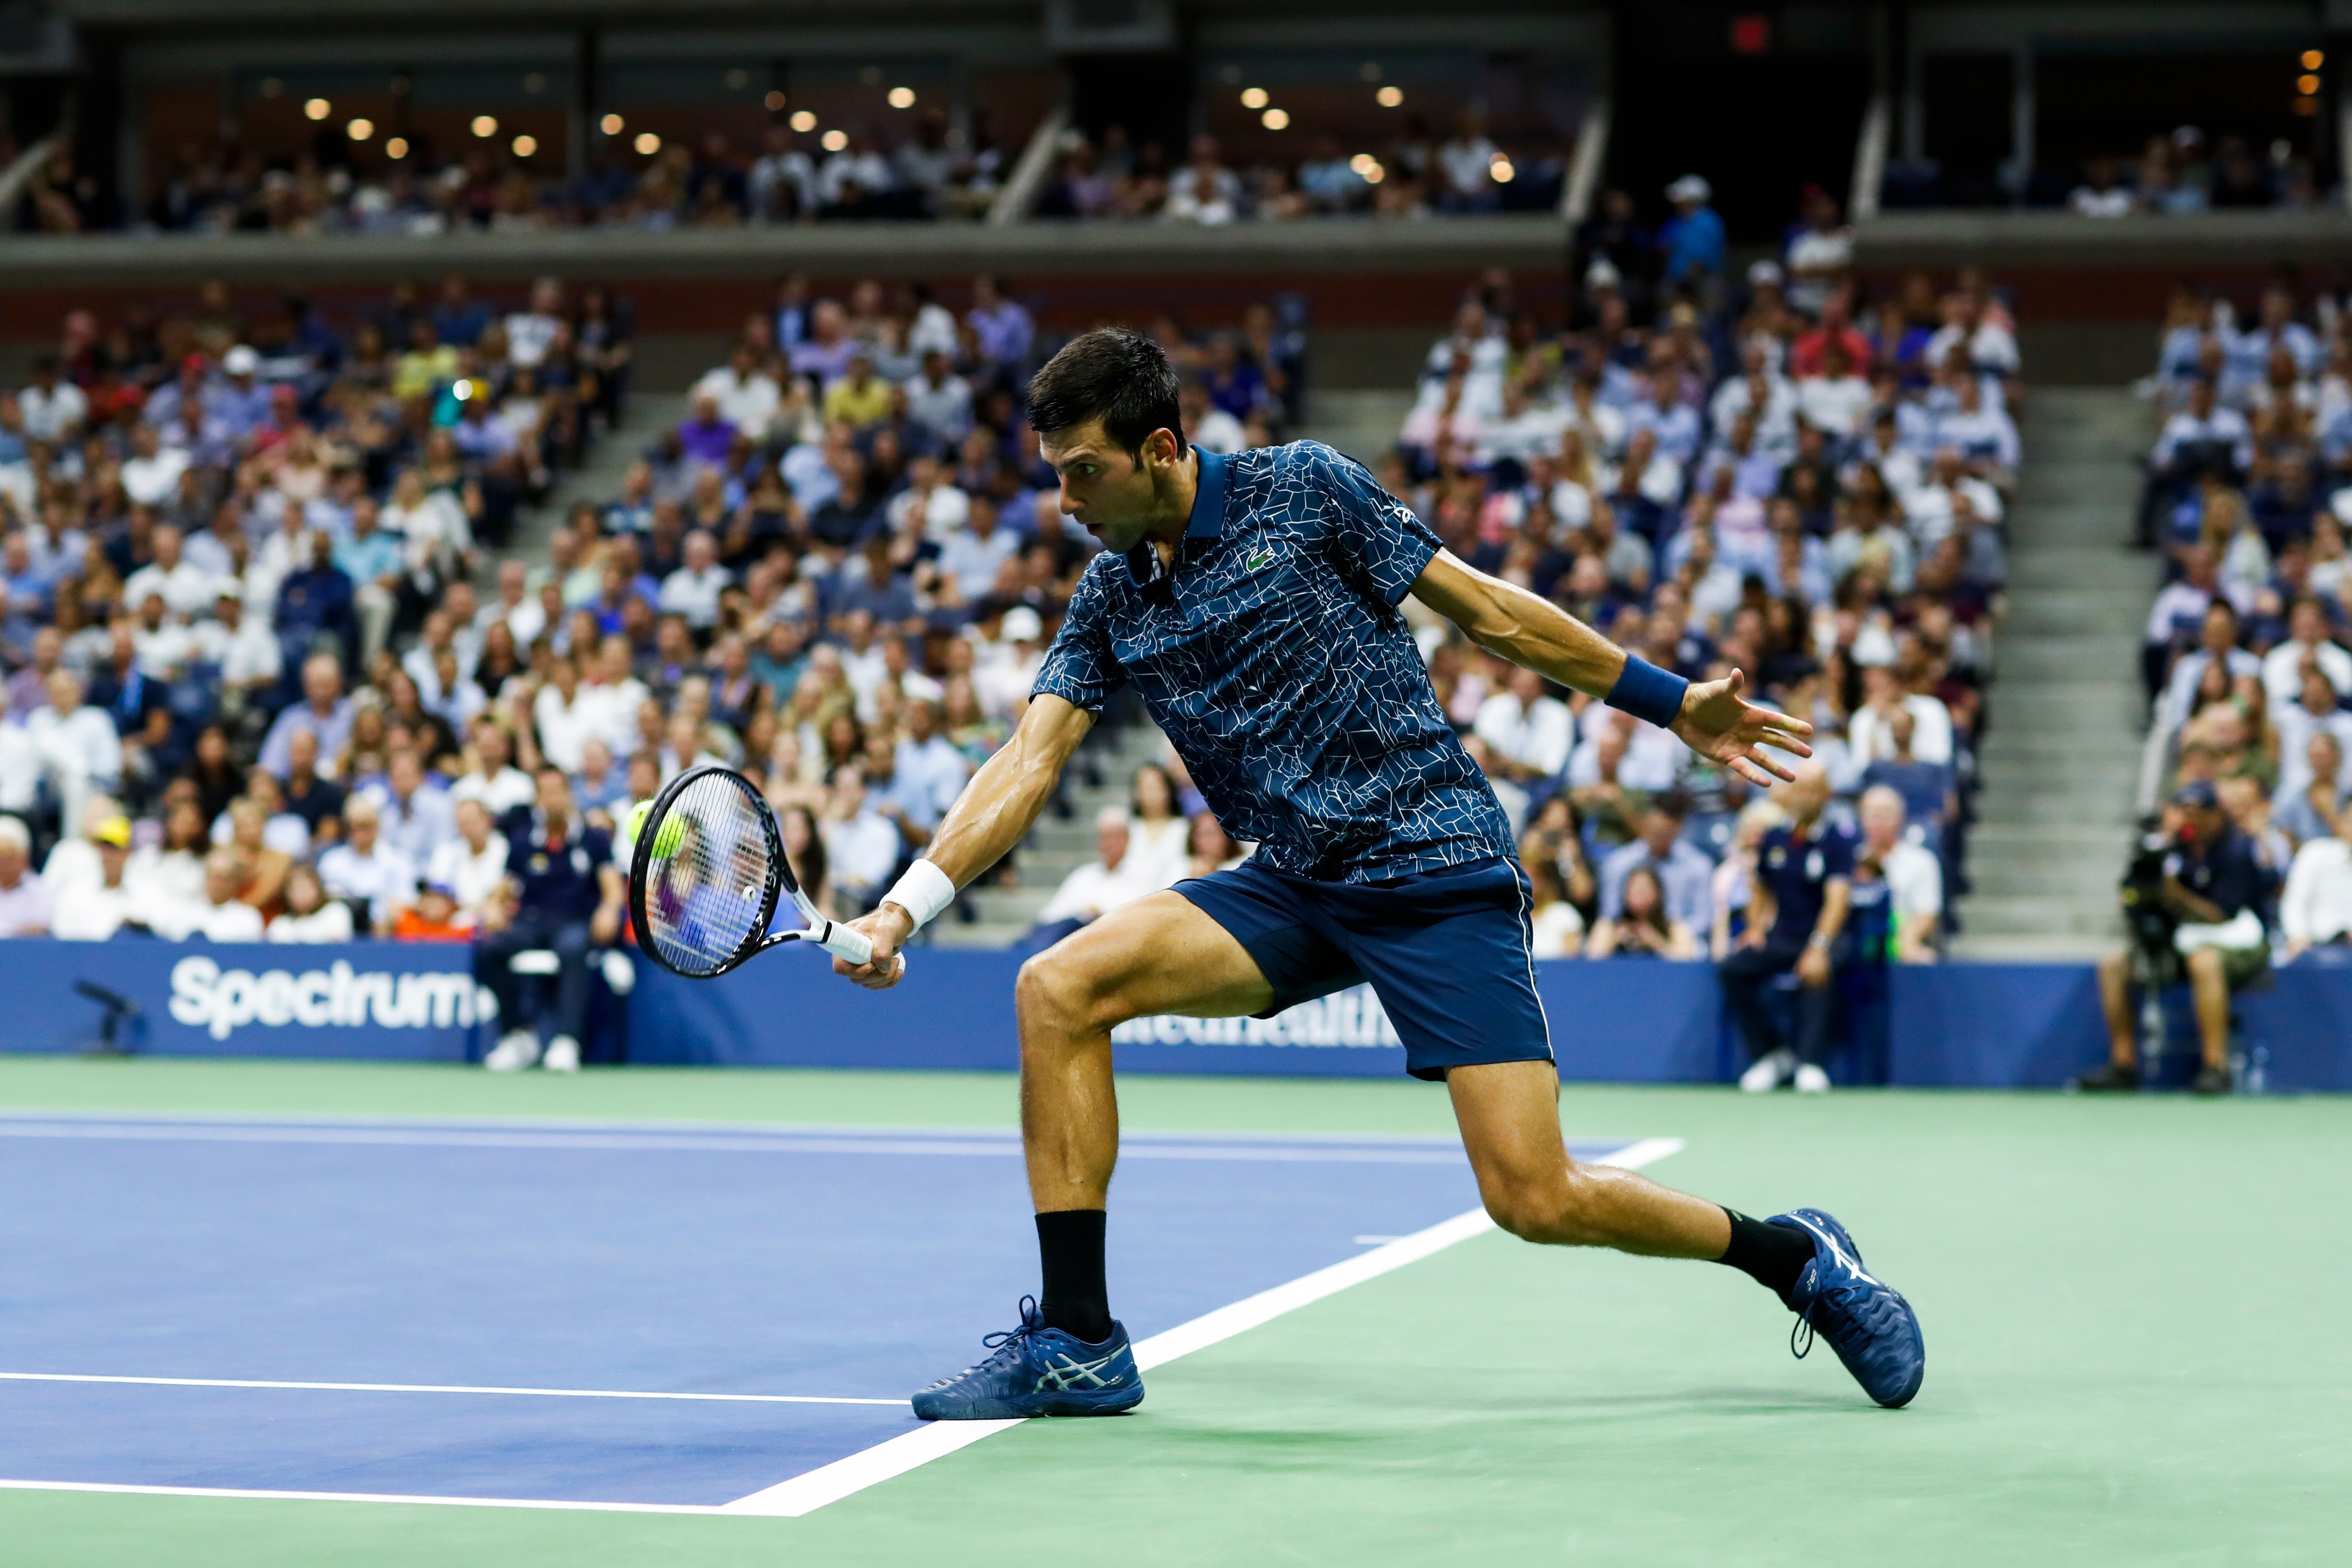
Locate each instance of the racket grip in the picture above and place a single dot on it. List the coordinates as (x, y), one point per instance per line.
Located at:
(851, 946)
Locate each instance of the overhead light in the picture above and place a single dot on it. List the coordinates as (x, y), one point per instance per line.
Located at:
(360, 130)
(1501, 171)
(396, 148)
(1254, 97)
(2313, 59)
(804, 122)
(1363, 161)
(902, 98)
(834, 140)
(524, 146)
(1373, 174)
(775, 100)
(1389, 97)
(317, 108)
(612, 124)
(486, 125)
(1275, 118)
(647, 143)
(2307, 84)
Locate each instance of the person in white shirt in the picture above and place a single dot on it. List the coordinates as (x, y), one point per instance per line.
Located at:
(1914, 876)
(861, 845)
(2306, 637)
(366, 870)
(244, 649)
(939, 401)
(153, 470)
(1530, 733)
(531, 333)
(1095, 889)
(76, 747)
(187, 590)
(2314, 714)
(218, 915)
(1206, 426)
(2315, 908)
(1868, 735)
(1763, 391)
(1835, 400)
(694, 589)
(1992, 348)
(473, 862)
(93, 910)
(309, 915)
(1931, 510)
(974, 557)
(51, 409)
(26, 902)
(747, 395)
(566, 713)
(493, 780)
(1159, 839)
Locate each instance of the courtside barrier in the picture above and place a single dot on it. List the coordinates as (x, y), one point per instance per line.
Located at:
(1962, 1025)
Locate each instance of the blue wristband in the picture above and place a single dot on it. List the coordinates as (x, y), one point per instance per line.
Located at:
(1648, 692)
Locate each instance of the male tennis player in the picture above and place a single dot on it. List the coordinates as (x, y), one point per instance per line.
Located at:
(1251, 600)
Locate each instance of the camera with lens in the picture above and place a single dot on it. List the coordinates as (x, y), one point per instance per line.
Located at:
(2151, 919)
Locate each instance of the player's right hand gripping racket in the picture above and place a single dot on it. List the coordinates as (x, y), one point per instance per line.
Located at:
(707, 874)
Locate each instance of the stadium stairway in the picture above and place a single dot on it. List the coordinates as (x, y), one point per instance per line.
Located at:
(599, 479)
(1363, 425)
(2062, 755)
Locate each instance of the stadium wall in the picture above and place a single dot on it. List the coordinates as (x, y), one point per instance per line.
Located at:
(1961, 1025)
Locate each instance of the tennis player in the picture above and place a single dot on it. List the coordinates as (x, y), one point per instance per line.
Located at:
(1251, 600)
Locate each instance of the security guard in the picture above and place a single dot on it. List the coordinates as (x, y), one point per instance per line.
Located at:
(566, 898)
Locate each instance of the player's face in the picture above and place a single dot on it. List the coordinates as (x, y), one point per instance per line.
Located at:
(1113, 493)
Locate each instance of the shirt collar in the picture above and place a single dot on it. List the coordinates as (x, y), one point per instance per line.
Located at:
(1208, 516)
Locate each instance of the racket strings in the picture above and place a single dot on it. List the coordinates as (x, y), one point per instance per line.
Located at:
(706, 876)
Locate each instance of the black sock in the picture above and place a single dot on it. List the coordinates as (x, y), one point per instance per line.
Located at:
(1771, 1255)
(1075, 1300)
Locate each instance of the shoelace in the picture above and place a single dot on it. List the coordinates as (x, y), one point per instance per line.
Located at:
(1010, 1340)
(1838, 1296)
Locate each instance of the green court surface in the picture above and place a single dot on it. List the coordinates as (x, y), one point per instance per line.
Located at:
(2134, 1315)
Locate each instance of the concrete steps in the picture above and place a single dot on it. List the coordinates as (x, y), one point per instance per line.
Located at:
(2054, 814)
(1363, 425)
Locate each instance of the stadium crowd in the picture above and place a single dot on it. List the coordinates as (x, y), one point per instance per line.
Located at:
(266, 674)
(2249, 497)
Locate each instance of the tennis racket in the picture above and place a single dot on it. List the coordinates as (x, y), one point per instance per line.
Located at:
(707, 873)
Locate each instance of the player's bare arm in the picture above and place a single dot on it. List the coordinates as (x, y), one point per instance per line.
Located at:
(1715, 721)
(992, 815)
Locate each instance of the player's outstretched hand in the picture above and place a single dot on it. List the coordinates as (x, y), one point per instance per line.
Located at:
(1720, 725)
(887, 927)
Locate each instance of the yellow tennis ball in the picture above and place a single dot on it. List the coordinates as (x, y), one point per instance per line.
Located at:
(667, 842)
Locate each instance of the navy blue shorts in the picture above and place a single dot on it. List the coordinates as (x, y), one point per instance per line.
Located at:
(1448, 954)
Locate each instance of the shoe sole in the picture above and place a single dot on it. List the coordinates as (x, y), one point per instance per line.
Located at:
(1098, 1402)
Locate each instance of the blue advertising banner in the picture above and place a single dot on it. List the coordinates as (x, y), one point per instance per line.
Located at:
(1979, 1025)
(355, 999)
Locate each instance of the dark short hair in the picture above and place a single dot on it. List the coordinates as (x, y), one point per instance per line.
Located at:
(1118, 377)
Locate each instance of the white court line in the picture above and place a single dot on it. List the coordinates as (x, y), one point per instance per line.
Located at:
(830, 1483)
(436, 1388)
(454, 1138)
(895, 1457)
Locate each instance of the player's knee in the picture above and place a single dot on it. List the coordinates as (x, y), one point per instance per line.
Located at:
(1556, 1213)
(1054, 996)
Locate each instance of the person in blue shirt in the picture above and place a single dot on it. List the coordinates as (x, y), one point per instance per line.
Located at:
(1804, 890)
(1693, 239)
(1252, 602)
(567, 897)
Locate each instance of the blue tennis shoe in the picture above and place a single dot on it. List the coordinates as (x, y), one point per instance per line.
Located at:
(1038, 1371)
(1869, 1324)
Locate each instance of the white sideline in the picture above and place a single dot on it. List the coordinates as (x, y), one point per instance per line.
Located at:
(436, 1388)
(829, 1483)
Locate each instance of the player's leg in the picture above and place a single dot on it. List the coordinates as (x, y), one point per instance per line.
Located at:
(1159, 954)
(1509, 1116)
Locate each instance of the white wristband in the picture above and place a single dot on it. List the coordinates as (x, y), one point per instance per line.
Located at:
(924, 892)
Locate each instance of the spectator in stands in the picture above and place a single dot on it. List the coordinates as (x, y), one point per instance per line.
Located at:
(1912, 876)
(1799, 905)
(566, 898)
(861, 845)
(364, 871)
(310, 915)
(1642, 928)
(93, 909)
(218, 914)
(1095, 889)
(415, 816)
(26, 900)
(1555, 926)
(1683, 874)
(2213, 884)
(2315, 910)
(1693, 239)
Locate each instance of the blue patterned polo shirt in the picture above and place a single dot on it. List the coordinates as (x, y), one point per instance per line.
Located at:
(1276, 660)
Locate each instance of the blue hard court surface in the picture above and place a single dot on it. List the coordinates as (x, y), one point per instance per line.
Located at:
(843, 1262)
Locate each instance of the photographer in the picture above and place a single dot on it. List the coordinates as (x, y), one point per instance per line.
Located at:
(2191, 896)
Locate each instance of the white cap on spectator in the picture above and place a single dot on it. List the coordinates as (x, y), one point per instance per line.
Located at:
(1690, 188)
(2340, 503)
(1602, 274)
(1023, 624)
(240, 360)
(1764, 275)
